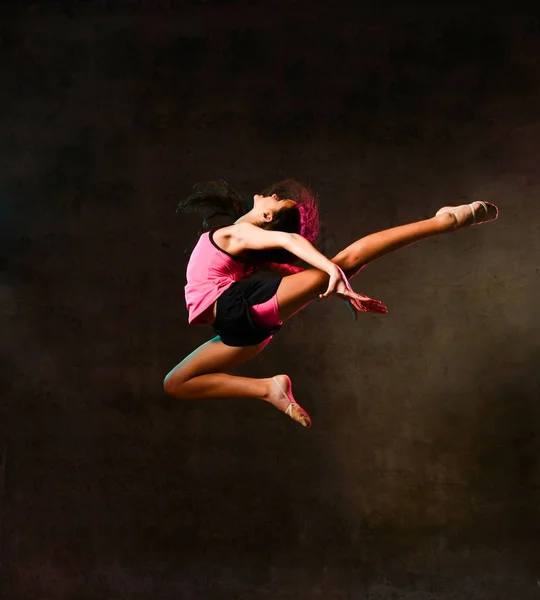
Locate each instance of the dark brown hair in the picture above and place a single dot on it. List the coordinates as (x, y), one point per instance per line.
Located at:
(219, 199)
(306, 202)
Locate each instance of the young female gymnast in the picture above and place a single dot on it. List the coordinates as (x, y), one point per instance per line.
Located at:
(245, 312)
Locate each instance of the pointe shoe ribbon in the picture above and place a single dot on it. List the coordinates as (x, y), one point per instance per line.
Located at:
(294, 410)
(490, 212)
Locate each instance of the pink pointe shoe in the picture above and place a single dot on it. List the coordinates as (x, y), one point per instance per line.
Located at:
(294, 410)
(481, 212)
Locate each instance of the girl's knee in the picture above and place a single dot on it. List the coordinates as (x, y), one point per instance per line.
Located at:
(172, 384)
(168, 384)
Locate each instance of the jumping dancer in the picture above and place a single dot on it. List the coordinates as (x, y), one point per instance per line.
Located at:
(246, 312)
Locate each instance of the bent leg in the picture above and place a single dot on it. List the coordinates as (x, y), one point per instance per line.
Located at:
(200, 376)
(296, 291)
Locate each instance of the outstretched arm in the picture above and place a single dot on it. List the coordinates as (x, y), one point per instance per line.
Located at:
(251, 237)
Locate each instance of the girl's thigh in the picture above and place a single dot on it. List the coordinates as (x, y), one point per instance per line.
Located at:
(298, 290)
(214, 357)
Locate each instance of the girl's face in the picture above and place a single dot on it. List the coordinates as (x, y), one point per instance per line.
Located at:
(269, 205)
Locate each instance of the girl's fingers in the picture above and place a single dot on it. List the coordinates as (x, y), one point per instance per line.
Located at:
(327, 293)
(364, 304)
(357, 302)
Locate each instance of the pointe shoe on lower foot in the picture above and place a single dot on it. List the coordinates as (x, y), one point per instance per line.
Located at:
(293, 410)
(471, 214)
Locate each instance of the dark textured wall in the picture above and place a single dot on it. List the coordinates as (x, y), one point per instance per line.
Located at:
(420, 478)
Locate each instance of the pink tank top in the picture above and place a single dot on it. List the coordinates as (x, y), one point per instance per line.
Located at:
(210, 272)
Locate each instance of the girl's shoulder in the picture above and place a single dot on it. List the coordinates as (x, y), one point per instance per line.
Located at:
(228, 239)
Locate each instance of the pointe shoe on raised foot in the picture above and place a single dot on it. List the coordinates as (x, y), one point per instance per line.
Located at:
(480, 212)
(294, 410)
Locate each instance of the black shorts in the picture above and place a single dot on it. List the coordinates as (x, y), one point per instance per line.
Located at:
(233, 321)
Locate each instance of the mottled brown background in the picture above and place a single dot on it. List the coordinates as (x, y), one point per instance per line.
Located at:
(420, 478)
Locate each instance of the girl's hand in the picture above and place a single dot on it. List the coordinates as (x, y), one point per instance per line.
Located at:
(362, 303)
(337, 282)
(357, 303)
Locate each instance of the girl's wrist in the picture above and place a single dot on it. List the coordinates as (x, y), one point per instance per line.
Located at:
(332, 268)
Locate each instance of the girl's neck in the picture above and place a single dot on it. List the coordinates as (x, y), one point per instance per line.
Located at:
(249, 217)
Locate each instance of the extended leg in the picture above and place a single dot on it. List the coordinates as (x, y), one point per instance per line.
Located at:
(375, 245)
(295, 291)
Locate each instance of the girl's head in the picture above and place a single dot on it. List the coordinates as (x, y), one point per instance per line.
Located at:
(276, 214)
(289, 206)
(284, 206)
